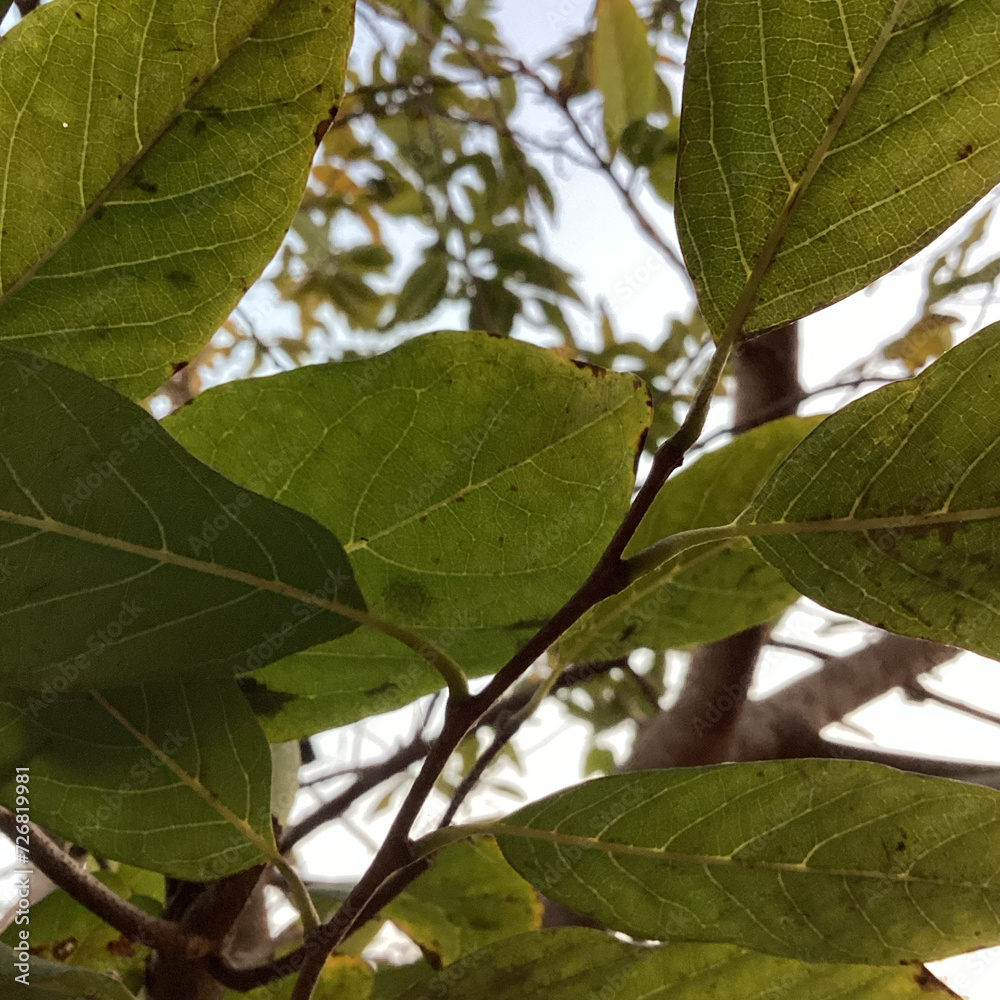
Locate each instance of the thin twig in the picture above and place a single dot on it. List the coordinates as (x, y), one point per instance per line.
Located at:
(918, 691)
(780, 404)
(798, 647)
(366, 779)
(77, 882)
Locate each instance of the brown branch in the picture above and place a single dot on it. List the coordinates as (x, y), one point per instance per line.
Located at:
(845, 683)
(918, 691)
(366, 778)
(208, 910)
(128, 919)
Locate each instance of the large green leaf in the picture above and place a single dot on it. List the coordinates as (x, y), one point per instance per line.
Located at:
(474, 480)
(817, 860)
(176, 780)
(622, 66)
(154, 155)
(125, 560)
(54, 981)
(468, 899)
(889, 510)
(824, 143)
(574, 962)
(707, 592)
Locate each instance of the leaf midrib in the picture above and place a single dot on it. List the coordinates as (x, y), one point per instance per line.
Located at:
(99, 199)
(266, 848)
(748, 297)
(704, 860)
(169, 557)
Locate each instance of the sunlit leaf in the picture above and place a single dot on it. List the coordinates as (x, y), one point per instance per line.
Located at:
(155, 155)
(817, 860)
(824, 143)
(474, 480)
(890, 511)
(707, 592)
(623, 66)
(570, 963)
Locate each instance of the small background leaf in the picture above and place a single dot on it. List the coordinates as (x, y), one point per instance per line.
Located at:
(623, 66)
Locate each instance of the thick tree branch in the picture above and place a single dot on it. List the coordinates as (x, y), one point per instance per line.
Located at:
(845, 683)
(208, 910)
(135, 924)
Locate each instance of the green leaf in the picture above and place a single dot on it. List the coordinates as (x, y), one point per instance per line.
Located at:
(822, 144)
(124, 560)
(482, 479)
(468, 899)
(424, 289)
(572, 962)
(392, 980)
(365, 673)
(889, 510)
(286, 759)
(789, 858)
(493, 307)
(710, 591)
(155, 157)
(623, 66)
(175, 779)
(46, 980)
(65, 931)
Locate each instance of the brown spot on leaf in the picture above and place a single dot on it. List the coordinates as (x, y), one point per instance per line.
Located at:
(61, 950)
(930, 983)
(594, 369)
(123, 947)
(966, 151)
(324, 124)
